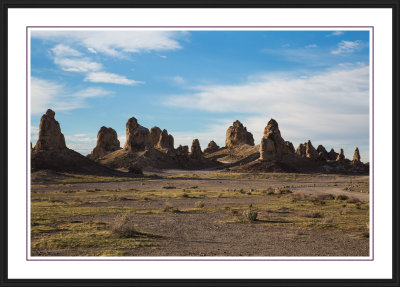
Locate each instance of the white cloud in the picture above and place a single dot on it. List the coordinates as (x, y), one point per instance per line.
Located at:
(346, 47)
(42, 94)
(311, 46)
(91, 50)
(337, 33)
(215, 132)
(330, 107)
(47, 94)
(104, 77)
(90, 93)
(77, 64)
(117, 43)
(164, 57)
(178, 80)
(62, 50)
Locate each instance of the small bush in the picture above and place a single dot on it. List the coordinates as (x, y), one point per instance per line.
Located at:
(283, 191)
(199, 204)
(342, 197)
(135, 170)
(298, 196)
(169, 187)
(328, 220)
(314, 215)
(250, 215)
(353, 200)
(169, 208)
(123, 227)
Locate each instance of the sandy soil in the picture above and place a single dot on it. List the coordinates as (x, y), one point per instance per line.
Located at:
(212, 232)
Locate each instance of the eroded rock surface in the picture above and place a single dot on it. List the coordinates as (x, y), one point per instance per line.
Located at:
(195, 150)
(272, 144)
(307, 150)
(107, 142)
(212, 147)
(356, 156)
(237, 134)
(166, 141)
(137, 136)
(155, 133)
(50, 136)
(340, 157)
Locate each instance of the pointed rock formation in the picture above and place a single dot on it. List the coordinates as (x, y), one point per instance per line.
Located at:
(356, 156)
(307, 150)
(290, 146)
(332, 155)
(107, 142)
(50, 136)
(340, 157)
(272, 144)
(237, 134)
(51, 153)
(155, 133)
(165, 141)
(182, 152)
(137, 136)
(195, 150)
(212, 147)
(322, 153)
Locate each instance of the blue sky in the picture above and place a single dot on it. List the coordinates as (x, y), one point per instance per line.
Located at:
(196, 83)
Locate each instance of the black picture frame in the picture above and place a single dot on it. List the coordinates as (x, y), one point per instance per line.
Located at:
(394, 5)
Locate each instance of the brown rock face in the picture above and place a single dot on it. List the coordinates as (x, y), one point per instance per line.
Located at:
(340, 157)
(195, 150)
(290, 146)
(322, 153)
(212, 147)
(356, 156)
(272, 144)
(332, 155)
(237, 134)
(50, 136)
(107, 142)
(165, 141)
(155, 133)
(137, 137)
(307, 150)
(182, 151)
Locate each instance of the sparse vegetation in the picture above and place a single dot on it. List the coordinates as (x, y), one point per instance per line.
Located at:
(250, 215)
(82, 220)
(199, 204)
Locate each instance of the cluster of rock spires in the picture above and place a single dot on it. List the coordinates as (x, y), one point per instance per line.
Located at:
(157, 145)
(51, 152)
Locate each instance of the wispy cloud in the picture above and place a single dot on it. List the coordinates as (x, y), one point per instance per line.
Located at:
(347, 47)
(178, 80)
(62, 50)
(311, 46)
(77, 64)
(104, 77)
(48, 94)
(71, 60)
(335, 33)
(325, 107)
(117, 43)
(91, 50)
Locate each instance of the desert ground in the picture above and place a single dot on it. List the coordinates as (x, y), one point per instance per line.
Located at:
(199, 213)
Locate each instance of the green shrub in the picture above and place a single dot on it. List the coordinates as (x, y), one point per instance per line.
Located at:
(250, 215)
(199, 204)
